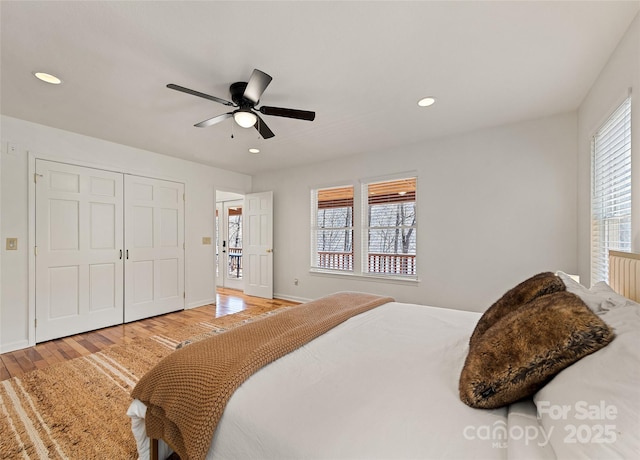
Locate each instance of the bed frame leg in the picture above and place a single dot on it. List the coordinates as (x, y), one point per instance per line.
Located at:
(153, 449)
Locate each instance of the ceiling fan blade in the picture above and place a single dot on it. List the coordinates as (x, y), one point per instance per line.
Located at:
(263, 129)
(256, 85)
(214, 120)
(199, 94)
(289, 113)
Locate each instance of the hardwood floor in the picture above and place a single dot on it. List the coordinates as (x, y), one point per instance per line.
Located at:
(44, 354)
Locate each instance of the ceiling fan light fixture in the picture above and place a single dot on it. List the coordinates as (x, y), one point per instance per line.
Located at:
(245, 118)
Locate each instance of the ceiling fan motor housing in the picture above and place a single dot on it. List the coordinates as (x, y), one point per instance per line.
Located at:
(237, 95)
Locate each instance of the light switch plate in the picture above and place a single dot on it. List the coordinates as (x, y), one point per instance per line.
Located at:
(12, 244)
(11, 148)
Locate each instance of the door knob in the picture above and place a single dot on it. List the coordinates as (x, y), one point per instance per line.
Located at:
(269, 251)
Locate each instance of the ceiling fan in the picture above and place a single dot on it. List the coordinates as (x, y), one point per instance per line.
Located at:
(245, 96)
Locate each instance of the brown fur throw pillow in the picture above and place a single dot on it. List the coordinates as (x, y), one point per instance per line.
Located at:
(519, 354)
(536, 286)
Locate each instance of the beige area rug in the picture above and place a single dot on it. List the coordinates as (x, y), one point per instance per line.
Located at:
(77, 409)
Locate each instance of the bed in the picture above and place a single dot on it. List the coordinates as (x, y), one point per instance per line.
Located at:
(385, 384)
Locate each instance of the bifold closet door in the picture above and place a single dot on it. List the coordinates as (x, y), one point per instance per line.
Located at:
(154, 247)
(79, 242)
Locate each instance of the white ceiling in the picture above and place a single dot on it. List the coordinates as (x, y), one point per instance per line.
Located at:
(360, 65)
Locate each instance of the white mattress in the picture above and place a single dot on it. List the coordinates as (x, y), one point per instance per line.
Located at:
(382, 385)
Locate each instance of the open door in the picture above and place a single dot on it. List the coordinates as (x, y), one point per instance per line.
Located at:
(258, 244)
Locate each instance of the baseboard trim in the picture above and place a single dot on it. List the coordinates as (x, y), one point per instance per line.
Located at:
(291, 298)
(200, 303)
(13, 346)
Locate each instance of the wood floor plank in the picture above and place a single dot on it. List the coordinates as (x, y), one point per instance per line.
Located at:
(4, 373)
(24, 362)
(11, 365)
(45, 354)
(66, 350)
(89, 345)
(53, 355)
(33, 354)
(74, 345)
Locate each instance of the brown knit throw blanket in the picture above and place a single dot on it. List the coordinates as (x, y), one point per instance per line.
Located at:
(187, 391)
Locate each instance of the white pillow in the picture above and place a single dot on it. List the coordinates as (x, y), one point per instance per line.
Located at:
(606, 292)
(591, 409)
(594, 300)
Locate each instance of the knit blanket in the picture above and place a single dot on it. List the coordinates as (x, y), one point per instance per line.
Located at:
(187, 391)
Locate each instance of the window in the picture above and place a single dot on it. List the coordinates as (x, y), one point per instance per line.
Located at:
(384, 228)
(611, 190)
(390, 227)
(332, 228)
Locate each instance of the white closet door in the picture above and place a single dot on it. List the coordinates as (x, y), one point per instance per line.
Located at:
(154, 247)
(79, 241)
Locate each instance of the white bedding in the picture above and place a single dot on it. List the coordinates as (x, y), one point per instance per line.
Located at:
(382, 385)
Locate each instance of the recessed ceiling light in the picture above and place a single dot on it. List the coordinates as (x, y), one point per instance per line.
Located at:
(253, 150)
(427, 101)
(46, 77)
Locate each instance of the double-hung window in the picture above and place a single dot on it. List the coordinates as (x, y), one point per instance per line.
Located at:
(390, 227)
(611, 190)
(332, 228)
(379, 241)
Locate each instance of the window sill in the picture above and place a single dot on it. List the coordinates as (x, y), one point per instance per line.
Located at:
(375, 277)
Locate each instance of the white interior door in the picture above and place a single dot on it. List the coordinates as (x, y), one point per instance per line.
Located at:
(79, 246)
(258, 244)
(154, 247)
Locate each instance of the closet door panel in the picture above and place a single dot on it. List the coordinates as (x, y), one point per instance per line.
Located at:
(154, 240)
(79, 236)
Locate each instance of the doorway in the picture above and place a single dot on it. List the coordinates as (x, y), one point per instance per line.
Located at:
(229, 238)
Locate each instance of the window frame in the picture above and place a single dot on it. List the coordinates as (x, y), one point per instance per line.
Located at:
(359, 231)
(315, 229)
(600, 244)
(366, 228)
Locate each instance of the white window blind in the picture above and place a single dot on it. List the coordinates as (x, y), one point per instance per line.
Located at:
(332, 228)
(611, 190)
(391, 227)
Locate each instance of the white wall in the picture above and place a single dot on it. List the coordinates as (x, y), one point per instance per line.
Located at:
(494, 207)
(200, 184)
(607, 93)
